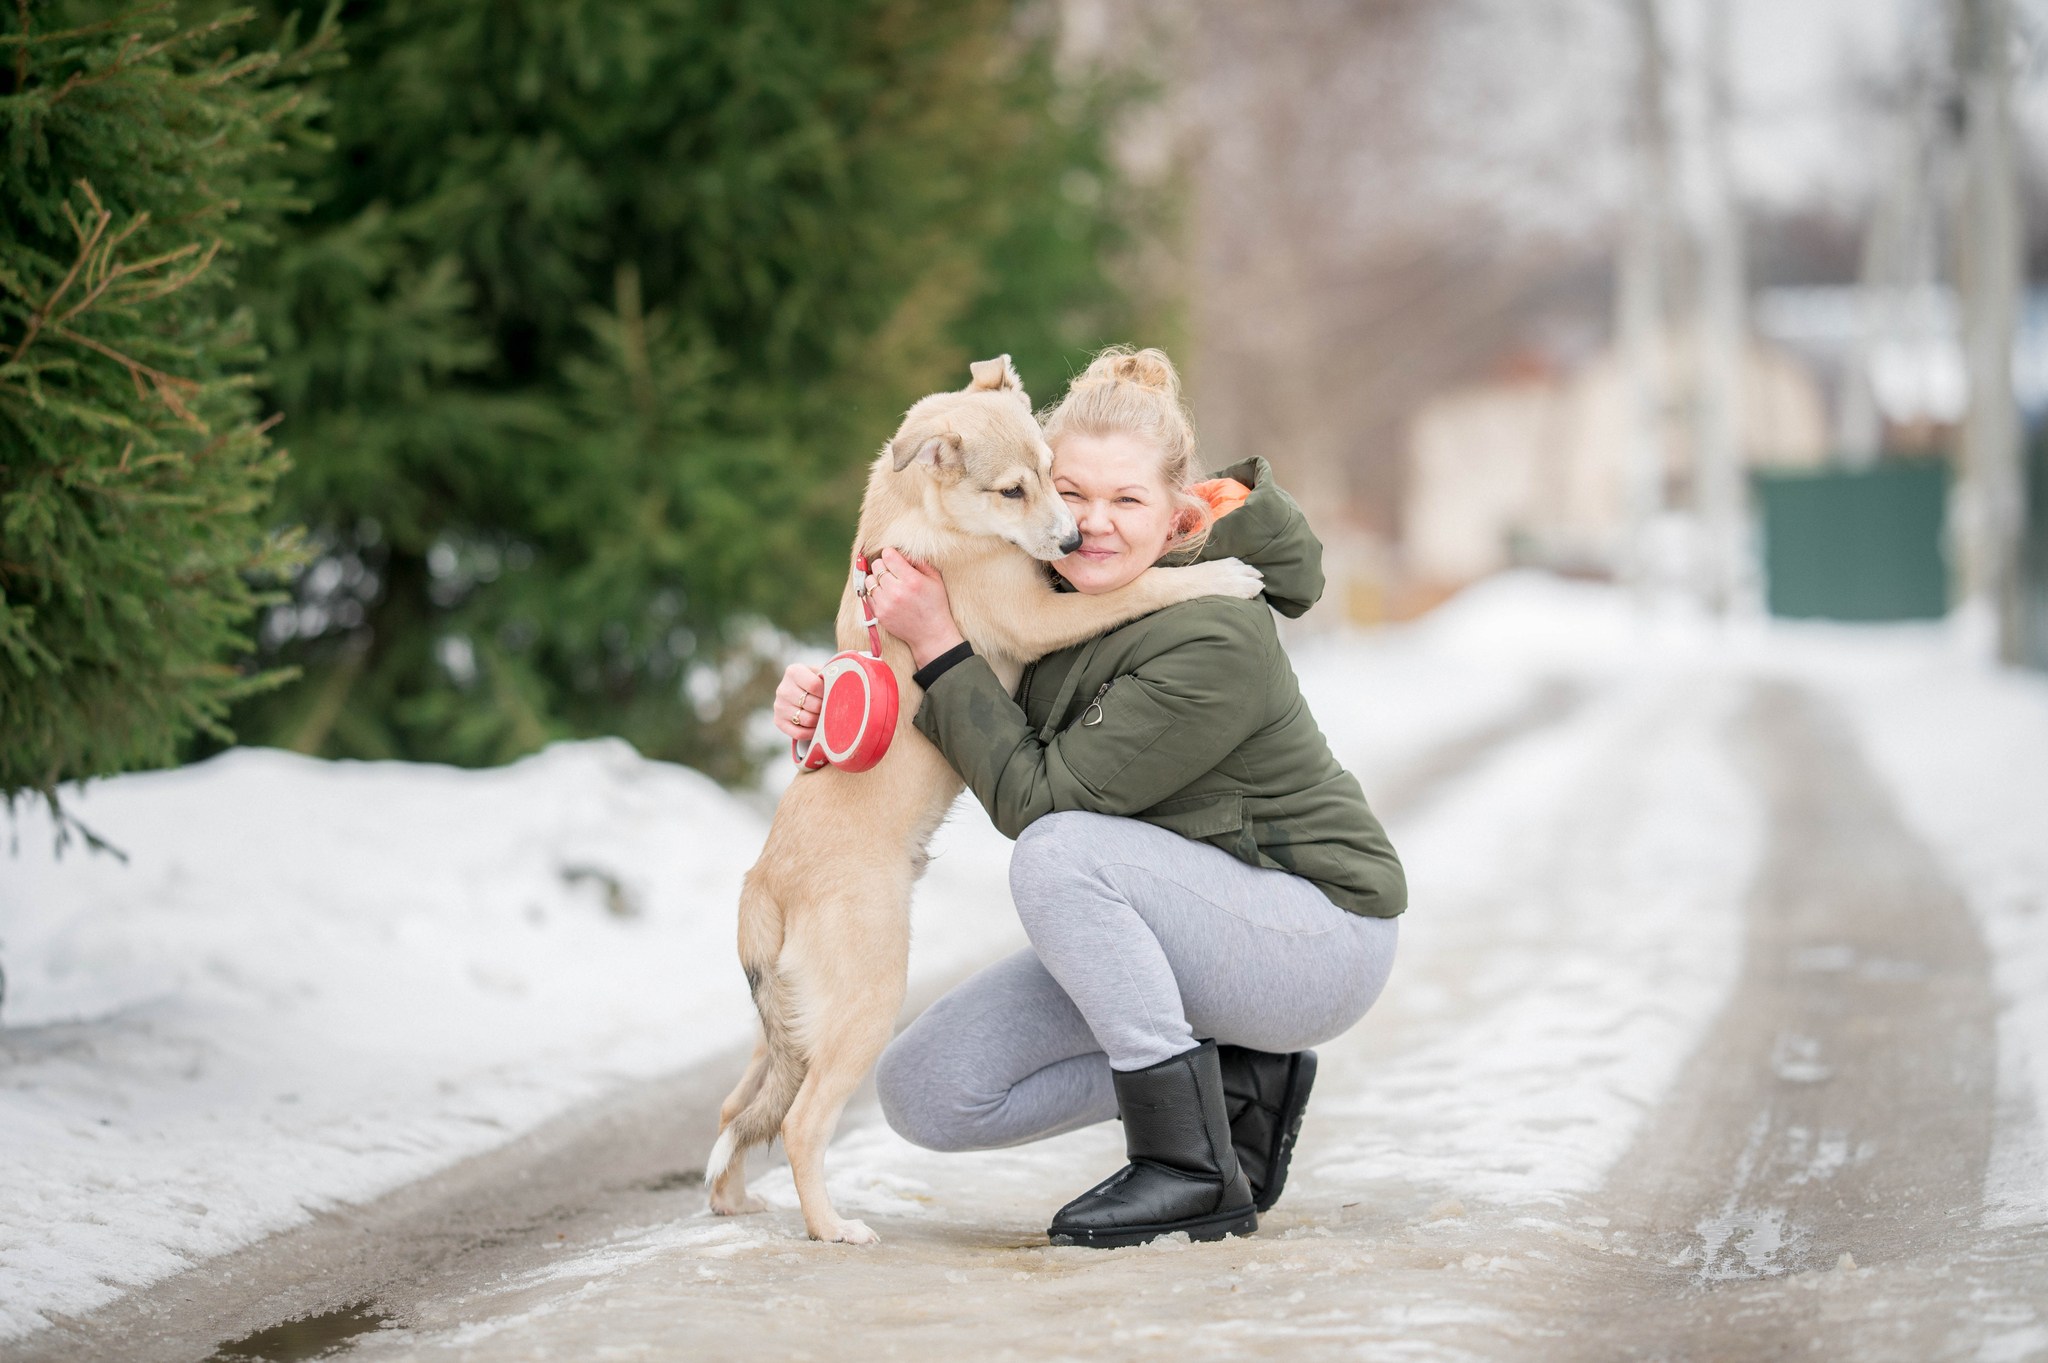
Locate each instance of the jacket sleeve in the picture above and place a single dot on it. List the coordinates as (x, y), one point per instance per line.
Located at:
(1173, 717)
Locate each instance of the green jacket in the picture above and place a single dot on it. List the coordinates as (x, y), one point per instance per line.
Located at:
(1189, 718)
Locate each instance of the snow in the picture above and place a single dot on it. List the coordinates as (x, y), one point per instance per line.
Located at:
(1581, 930)
(313, 982)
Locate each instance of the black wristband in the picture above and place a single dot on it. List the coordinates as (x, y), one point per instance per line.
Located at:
(937, 667)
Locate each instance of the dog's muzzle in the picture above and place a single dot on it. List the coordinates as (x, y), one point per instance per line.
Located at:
(1070, 544)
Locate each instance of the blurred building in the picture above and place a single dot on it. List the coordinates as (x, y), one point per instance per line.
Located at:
(1532, 468)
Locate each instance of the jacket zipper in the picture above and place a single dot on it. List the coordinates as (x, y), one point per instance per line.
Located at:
(1095, 706)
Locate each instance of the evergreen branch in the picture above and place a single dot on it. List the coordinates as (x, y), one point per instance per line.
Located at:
(79, 80)
(167, 385)
(67, 823)
(96, 262)
(254, 61)
(148, 291)
(42, 314)
(128, 56)
(26, 39)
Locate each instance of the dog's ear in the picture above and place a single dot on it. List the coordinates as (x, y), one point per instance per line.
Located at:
(992, 376)
(931, 451)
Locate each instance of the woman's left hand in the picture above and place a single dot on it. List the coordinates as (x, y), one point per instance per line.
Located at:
(910, 601)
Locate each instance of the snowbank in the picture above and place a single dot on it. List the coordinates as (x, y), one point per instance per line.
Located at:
(314, 981)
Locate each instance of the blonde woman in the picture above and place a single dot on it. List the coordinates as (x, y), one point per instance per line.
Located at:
(1205, 890)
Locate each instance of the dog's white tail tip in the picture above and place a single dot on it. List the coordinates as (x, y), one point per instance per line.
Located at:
(721, 1155)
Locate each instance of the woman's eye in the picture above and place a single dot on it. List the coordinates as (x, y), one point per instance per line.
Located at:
(1013, 493)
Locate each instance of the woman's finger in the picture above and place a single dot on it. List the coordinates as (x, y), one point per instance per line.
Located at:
(908, 565)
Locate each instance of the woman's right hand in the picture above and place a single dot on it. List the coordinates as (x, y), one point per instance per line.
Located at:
(797, 700)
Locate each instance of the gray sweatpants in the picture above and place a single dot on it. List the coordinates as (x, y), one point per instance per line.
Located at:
(1142, 942)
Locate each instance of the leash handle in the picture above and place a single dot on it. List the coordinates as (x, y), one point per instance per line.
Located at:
(860, 564)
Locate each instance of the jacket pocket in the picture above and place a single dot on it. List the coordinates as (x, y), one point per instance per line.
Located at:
(1114, 730)
(1200, 817)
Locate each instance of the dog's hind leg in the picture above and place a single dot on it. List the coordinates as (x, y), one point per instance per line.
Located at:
(729, 1184)
(836, 1071)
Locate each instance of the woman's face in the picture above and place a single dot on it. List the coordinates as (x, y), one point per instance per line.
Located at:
(1114, 486)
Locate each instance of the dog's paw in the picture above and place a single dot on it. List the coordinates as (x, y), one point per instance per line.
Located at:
(745, 1206)
(1222, 577)
(853, 1233)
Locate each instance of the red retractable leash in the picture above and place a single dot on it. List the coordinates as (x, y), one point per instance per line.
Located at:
(857, 712)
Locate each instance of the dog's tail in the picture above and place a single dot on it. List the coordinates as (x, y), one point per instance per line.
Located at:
(757, 1122)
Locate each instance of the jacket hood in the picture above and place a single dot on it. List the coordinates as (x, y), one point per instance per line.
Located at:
(1269, 532)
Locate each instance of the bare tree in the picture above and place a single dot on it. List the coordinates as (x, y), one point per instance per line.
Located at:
(1723, 334)
(1988, 237)
(1640, 288)
(1376, 218)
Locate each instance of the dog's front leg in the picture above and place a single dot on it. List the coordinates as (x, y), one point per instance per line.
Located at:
(837, 1067)
(1047, 621)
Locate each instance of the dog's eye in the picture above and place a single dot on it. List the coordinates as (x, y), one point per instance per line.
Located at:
(1013, 493)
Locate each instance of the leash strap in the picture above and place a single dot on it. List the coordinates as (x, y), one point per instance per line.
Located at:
(867, 609)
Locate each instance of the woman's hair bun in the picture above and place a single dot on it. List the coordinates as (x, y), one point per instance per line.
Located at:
(1137, 392)
(1149, 369)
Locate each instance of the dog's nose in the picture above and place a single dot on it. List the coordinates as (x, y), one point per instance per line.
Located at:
(1070, 544)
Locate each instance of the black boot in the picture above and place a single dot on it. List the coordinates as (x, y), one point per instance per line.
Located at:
(1183, 1174)
(1266, 1095)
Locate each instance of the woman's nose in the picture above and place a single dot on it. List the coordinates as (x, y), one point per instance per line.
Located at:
(1092, 518)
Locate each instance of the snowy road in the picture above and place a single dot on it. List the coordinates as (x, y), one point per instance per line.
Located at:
(1713, 1036)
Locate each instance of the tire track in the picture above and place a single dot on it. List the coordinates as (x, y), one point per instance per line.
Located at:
(1839, 1116)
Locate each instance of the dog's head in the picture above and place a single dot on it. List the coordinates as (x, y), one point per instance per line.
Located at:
(985, 463)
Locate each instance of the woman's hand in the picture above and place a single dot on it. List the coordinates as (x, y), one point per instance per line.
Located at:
(911, 603)
(797, 701)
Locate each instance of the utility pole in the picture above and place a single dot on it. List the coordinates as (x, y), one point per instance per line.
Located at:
(1991, 496)
(1721, 335)
(1901, 301)
(1639, 295)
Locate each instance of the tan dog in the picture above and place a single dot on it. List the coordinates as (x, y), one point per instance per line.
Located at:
(966, 487)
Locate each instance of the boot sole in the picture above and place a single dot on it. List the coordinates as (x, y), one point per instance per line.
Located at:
(1216, 1227)
(1299, 1082)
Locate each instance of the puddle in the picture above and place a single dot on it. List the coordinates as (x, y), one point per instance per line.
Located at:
(311, 1337)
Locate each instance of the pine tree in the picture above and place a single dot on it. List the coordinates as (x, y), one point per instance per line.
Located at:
(601, 313)
(141, 159)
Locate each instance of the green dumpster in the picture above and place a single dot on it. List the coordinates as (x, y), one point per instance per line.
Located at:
(1856, 544)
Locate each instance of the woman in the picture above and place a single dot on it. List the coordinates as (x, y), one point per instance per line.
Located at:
(1205, 891)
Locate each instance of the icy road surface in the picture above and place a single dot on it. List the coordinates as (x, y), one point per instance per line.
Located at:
(1718, 1032)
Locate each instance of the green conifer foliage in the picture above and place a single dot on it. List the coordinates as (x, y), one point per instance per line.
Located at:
(140, 158)
(603, 310)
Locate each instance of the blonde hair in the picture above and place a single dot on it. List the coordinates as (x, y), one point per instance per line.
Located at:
(1137, 392)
